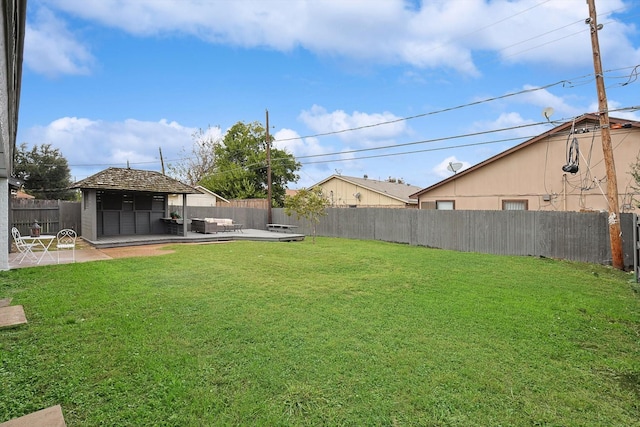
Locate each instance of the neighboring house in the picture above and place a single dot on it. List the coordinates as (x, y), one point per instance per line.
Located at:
(289, 192)
(530, 176)
(123, 201)
(347, 191)
(204, 198)
(19, 194)
(13, 14)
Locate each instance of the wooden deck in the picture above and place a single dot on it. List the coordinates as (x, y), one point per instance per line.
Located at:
(192, 237)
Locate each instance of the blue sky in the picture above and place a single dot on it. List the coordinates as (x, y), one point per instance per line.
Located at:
(110, 82)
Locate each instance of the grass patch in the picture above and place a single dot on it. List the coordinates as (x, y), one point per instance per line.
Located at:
(342, 332)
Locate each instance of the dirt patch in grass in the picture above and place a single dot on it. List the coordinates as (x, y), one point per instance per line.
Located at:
(133, 251)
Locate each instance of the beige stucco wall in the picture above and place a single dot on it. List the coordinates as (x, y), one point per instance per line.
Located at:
(341, 194)
(535, 172)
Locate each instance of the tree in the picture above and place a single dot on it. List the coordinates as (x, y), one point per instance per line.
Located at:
(635, 173)
(194, 166)
(44, 171)
(310, 204)
(241, 166)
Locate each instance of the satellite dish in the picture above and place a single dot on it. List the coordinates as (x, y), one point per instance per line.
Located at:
(454, 167)
(547, 113)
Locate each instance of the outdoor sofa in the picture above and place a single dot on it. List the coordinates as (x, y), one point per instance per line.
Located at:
(213, 225)
(201, 225)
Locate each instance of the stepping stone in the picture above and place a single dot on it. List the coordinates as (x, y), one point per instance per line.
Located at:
(49, 417)
(12, 315)
(5, 302)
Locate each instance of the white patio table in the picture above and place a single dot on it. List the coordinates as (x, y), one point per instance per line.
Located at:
(45, 241)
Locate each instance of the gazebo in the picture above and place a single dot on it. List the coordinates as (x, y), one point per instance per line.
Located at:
(124, 201)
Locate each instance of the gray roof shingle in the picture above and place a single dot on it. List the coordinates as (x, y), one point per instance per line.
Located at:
(125, 179)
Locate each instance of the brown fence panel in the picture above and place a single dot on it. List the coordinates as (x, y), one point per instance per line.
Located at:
(246, 203)
(51, 215)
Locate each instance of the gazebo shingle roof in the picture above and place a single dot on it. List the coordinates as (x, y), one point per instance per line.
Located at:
(125, 179)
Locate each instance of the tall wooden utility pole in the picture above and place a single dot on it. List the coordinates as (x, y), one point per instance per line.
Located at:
(269, 221)
(161, 160)
(615, 235)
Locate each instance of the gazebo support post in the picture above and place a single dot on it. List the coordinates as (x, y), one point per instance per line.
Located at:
(184, 215)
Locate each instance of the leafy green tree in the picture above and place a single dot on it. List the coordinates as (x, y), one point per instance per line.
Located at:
(241, 166)
(44, 171)
(310, 204)
(199, 162)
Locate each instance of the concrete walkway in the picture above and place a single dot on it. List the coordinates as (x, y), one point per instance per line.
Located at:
(82, 255)
(49, 417)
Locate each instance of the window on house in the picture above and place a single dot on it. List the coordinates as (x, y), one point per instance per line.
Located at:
(515, 205)
(445, 205)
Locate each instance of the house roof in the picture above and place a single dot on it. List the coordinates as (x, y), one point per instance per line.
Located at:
(125, 179)
(22, 195)
(395, 190)
(614, 123)
(204, 190)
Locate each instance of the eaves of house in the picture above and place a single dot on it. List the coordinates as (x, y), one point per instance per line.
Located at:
(565, 127)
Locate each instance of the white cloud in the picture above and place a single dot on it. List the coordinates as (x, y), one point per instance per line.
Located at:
(442, 169)
(51, 49)
(613, 105)
(506, 121)
(92, 145)
(319, 120)
(543, 98)
(317, 165)
(435, 34)
(290, 140)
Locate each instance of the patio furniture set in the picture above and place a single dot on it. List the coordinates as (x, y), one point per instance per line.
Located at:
(37, 246)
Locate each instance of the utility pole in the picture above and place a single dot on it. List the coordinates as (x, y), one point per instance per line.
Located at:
(269, 221)
(161, 159)
(615, 234)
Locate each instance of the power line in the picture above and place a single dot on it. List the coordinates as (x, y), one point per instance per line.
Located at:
(430, 113)
(417, 151)
(425, 141)
(565, 83)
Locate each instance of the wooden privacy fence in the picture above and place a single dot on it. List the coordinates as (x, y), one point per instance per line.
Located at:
(51, 215)
(573, 236)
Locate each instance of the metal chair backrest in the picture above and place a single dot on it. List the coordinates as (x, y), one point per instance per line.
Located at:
(66, 238)
(21, 245)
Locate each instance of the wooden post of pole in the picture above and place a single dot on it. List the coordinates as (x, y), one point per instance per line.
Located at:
(161, 160)
(269, 220)
(615, 234)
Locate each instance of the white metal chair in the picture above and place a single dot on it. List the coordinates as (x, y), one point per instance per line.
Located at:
(24, 247)
(66, 240)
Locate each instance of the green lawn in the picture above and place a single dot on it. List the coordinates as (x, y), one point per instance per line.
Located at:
(342, 332)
